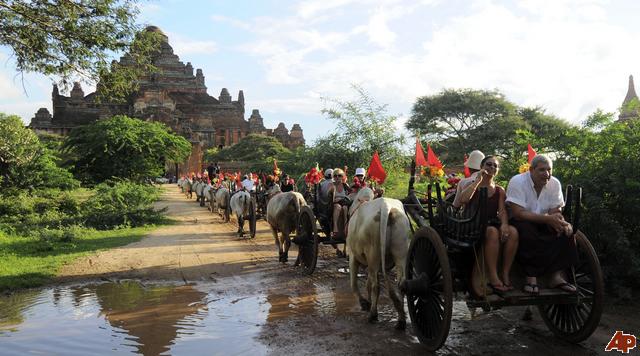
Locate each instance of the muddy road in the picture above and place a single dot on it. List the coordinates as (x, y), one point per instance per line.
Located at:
(196, 288)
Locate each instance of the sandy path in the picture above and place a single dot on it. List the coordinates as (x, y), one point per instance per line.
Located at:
(199, 247)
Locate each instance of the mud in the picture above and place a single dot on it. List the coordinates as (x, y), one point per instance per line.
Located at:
(195, 288)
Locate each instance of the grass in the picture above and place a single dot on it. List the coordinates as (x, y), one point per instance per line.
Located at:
(30, 262)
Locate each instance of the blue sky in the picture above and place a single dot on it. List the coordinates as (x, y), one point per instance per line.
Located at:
(568, 56)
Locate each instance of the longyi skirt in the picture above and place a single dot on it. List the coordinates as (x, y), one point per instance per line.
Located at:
(541, 252)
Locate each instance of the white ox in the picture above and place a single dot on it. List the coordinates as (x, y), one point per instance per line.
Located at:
(186, 187)
(378, 235)
(283, 210)
(240, 203)
(220, 201)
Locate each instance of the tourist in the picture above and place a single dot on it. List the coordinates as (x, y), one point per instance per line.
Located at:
(473, 163)
(247, 183)
(546, 239)
(287, 184)
(339, 191)
(498, 229)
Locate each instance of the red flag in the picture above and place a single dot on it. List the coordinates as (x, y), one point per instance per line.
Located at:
(375, 171)
(420, 160)
(432, 159)
(531, 152)
(467, 172)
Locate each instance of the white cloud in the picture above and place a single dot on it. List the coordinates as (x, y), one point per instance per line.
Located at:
(563, 55)
(183, 45)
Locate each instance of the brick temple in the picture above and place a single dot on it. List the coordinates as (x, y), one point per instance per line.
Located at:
(174, 96)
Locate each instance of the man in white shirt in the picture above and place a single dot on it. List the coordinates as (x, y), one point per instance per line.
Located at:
(546, 239)
(247, 183)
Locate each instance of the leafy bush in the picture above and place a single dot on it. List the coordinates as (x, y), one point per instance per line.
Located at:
(122, 203)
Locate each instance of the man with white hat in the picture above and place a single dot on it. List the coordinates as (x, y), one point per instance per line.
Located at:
(473, 162)
(360, 172)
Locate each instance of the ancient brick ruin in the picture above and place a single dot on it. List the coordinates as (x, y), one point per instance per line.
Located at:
(174, 96)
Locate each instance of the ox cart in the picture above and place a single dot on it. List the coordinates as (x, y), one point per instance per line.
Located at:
(441, 261)
(314, 228)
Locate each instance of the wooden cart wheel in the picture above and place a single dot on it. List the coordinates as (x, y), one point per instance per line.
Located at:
(227, 209)
(429, 288)
(307, 240)
(576, 322)
(252, 218)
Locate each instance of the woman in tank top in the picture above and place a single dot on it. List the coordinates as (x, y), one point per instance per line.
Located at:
(499, 231)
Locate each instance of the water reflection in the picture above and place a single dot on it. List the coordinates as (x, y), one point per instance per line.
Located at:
(310, 299)
(129, 317)
(149, 314)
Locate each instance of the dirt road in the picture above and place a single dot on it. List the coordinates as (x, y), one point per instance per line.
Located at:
(315, 314)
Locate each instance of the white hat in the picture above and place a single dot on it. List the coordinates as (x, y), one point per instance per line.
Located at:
(360, 171)
(328, 172)
(474, 160)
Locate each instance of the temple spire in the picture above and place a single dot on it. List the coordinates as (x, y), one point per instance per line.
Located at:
(631, 92)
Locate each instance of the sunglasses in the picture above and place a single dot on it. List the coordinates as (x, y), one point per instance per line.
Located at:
(491, 164)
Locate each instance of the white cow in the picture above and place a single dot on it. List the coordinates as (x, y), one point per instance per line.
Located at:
(283, 210)
(200, 192)
(186, 187)
(240, 203)
(220, 201)
(378, 234)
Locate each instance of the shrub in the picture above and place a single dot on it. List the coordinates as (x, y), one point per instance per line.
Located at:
(121, 203)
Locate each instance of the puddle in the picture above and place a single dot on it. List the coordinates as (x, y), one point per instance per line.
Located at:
(128, 317)
(239, 316)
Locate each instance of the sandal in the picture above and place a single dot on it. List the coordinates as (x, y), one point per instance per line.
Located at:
(497, 289)
(508, 286)
(565, 286)
(530, 288)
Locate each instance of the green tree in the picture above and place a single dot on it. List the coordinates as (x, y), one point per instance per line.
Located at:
(124, 147)
(362, 127)
(591, 158)
(68, 38)
(459, 121)
(26, 162)
(453, 115)
(18, 146)
(252, 147)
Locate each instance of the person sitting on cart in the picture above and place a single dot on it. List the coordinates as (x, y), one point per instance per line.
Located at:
(546, 239)
(247, 183)
(473, 163)
(340, 192)
(498, 230)
(323, 190)
(287, 184)
(358, 182)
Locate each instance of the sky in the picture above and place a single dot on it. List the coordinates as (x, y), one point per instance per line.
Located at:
(570, 57)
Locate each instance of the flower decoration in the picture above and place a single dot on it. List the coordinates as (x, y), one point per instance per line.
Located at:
(523, 168)
(314, 176)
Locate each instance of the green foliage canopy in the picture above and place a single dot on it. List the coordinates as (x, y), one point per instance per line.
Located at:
(457, 121)
(124, 147)
(25, 161)
(252, 147)
(71, 39)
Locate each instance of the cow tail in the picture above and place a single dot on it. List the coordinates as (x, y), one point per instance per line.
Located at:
(384, 218)
(297, 202)
(245, 207)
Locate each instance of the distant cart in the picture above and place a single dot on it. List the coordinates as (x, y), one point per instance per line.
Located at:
(314, 228)
(441, 261)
